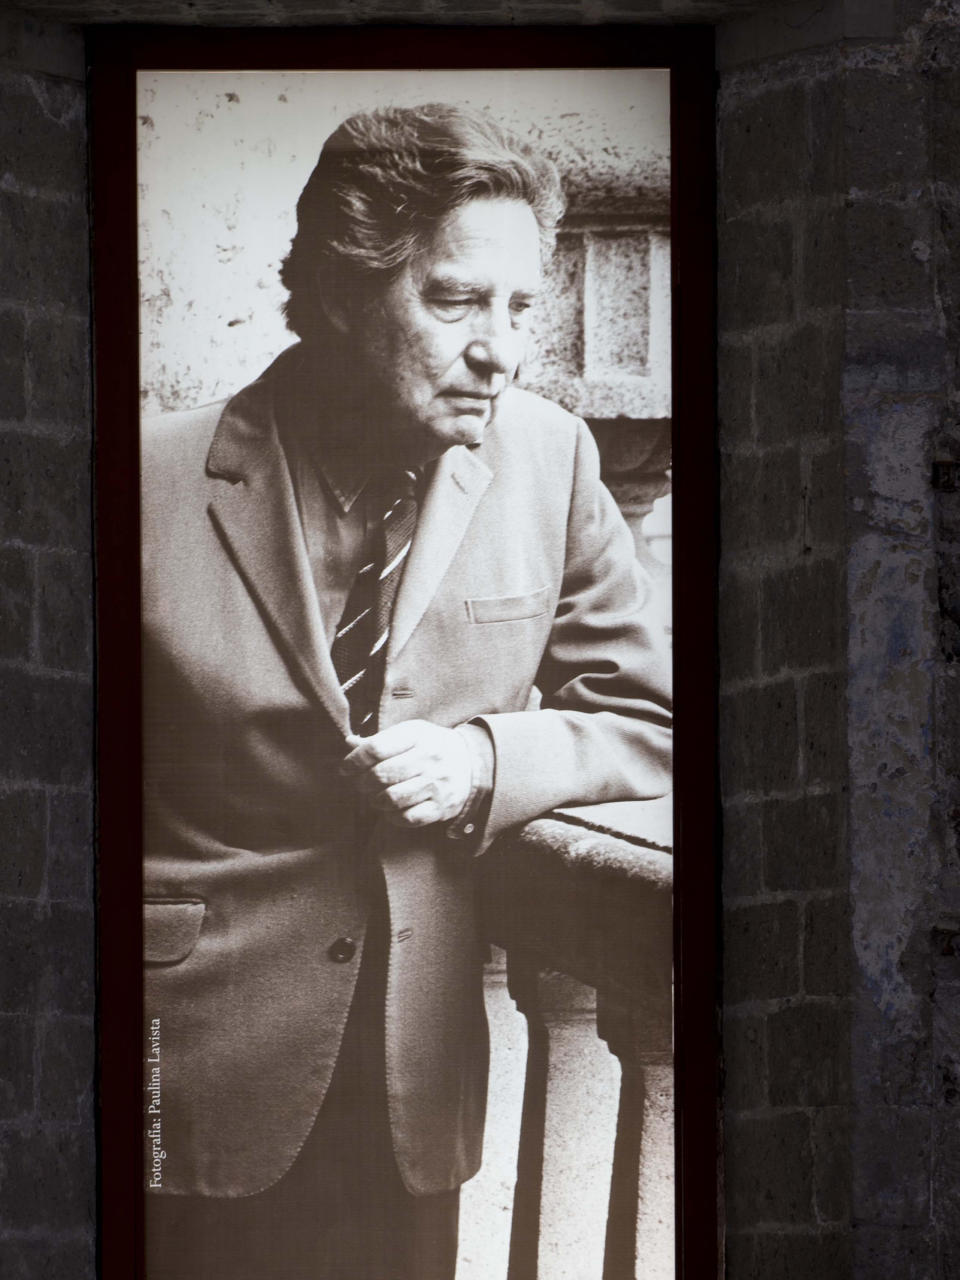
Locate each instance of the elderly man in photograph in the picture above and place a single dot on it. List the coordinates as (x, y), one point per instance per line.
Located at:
(389, 611)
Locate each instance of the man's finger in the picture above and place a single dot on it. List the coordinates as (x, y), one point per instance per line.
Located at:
(418, 815)
(404, 795)
(380, 746)
(401, 768)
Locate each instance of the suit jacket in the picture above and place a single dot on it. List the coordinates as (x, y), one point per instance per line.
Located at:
(521, 575)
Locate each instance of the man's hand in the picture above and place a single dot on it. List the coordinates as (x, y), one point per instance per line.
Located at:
(416, 772)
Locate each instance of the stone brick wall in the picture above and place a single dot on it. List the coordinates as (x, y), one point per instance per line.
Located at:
(839, 223)
(46, 740)
(782, 653)
(838, 244)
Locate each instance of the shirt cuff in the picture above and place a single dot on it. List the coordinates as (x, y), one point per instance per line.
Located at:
(472, 817)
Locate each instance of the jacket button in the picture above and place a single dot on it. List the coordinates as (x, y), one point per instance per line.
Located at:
(342, 950)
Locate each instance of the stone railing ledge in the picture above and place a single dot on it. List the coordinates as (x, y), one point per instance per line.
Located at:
(588, 892)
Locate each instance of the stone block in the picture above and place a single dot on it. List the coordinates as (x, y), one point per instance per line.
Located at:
(888, 456)
(826, 947)
(735, 397)
(68, 980)
(46, 958)
(70, 855)
(768, 1171)
(556, 338)
(742, 849)
(885, 128)
(632, 8)
(786, 1256)
(891, 352)
(760, 502)
(756, 273)
(739, 1255)
(16, 1066)
(617, 303)
(803, 617)
(58, 359)
(739, 626)
(808, 1055)
(803, 842)
(759, 743)
(16, 603)
(824, 730)
(53, 49)
(22, 956)
(778, 501)
(764, 150)
(948, 270)
(23, 843)
(739, 483)
(826, 515)
(797, 392)
(946, 1177)
(13, 402)
(45, 491)
(744, 1063)
(43, 132)
(65, 1086)
(889, 249)
(945, 125)
(832, 1164)
(772, 31)
(823, 275)
(44, 246)
(48, 730)
(65, 611)
(892, 1162)
(894, 1070)
(49, 1180)
(826, 134)
(53, 1258)
(480, 8)
(901, 1253)
(769, 930)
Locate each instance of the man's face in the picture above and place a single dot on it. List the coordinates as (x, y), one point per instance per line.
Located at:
(439, 346)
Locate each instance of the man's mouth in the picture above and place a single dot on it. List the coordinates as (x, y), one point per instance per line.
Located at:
(470, 402)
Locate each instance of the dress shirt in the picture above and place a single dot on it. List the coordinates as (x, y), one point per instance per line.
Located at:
(339, 517)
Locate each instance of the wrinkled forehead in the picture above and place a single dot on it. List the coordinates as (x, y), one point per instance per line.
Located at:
(482, 242)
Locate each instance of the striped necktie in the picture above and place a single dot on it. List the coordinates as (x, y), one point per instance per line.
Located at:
(359, 649)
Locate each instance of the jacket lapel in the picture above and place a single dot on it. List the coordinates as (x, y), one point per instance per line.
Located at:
(255, 509)
(459, 481)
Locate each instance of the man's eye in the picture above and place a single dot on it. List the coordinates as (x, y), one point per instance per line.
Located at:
(452, 306)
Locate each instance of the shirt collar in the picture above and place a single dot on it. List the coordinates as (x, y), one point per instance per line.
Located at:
(337, 456)
(345, 471)
(340, 456)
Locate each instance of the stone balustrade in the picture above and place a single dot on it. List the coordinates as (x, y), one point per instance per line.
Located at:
(581, 904)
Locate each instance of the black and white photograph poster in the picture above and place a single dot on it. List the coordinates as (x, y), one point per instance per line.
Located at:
(405, 372)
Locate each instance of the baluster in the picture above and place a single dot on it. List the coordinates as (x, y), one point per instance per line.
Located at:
(568, 1135)
(525, 1228)
(640, 1221)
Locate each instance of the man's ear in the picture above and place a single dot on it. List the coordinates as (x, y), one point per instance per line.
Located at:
(337, 310)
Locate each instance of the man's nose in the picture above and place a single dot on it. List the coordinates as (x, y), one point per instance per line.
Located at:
(495, 346)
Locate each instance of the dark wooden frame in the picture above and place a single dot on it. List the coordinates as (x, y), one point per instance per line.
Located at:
(114, 57)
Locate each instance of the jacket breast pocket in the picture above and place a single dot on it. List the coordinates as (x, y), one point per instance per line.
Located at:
(533, 604)
(171, 927)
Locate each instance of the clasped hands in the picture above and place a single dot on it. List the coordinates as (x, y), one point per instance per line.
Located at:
(416, 772)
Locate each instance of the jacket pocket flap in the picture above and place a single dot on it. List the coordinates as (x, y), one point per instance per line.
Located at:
(508, 608)
(170, 929)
